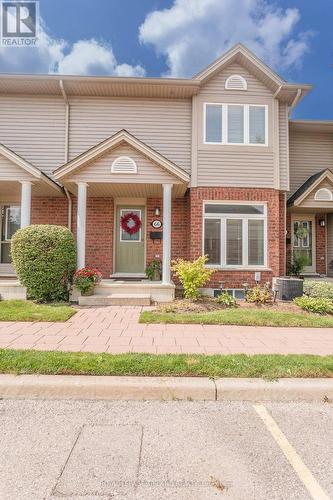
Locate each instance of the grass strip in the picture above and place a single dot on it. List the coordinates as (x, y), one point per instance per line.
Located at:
(24, 310)
(243, 317)
(239, 365)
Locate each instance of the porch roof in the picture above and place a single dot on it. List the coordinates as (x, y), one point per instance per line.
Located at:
(94, 167)
(14, 169)
(306, 195)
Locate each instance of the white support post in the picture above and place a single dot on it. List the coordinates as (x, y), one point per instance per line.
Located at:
(25, 203)
(81, 224)
(166, 273)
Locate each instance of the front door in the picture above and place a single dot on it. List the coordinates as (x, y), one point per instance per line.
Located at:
(303, 241)
(130, 246)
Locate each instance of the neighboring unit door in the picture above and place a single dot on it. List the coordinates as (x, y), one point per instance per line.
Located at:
(10, 222)
(130, 248)
(303, 241)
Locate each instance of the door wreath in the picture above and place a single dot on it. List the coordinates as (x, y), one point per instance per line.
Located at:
(130, 223)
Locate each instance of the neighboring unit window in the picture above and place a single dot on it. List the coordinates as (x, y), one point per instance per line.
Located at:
(10, 222)
(257, 128)
(235, 235)
(236, 124)
(213, 240)
(213, 126)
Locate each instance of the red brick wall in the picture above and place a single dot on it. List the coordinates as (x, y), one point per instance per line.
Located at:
(276, 230)
(320, 245)
(180, 228)
(99, 233)
(49, 211)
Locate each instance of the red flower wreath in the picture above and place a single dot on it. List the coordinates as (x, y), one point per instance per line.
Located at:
(124, 222)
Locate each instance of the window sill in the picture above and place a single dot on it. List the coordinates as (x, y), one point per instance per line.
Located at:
(239, 268)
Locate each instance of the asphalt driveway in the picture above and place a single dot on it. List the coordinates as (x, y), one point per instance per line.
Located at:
(165, 450)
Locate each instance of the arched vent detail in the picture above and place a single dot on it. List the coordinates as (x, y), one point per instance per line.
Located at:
(236, 82)
(324, 194)
(124, 165)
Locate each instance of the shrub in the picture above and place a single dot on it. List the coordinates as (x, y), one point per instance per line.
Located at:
(318, 289)
(226, 300)
(86, 278)
(44, 258)
(154, 269)
(315, 305)
(296, 268)
(259, 295)
(192, 275)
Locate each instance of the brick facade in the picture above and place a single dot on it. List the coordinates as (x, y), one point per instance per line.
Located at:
(49, 210)
(276, 231)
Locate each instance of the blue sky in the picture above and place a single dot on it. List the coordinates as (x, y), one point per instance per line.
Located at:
(179, 37)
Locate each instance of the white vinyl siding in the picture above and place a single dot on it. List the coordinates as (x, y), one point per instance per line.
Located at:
(235, 124)
(235, 235)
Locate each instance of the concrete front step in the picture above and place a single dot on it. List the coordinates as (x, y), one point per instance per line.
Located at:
(116, 299)
(12, 289)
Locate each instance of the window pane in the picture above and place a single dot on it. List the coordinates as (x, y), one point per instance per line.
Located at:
(213, 240)
(235, 124)
(213, 123)
(256, 242)
(124, 235)
(257, 125)
(234, 242)
(234, 209)
(12, 221)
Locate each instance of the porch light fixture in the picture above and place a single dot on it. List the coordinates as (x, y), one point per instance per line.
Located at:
(157, 211)
(322, 222)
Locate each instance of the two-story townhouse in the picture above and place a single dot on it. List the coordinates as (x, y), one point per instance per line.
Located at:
(140, 168)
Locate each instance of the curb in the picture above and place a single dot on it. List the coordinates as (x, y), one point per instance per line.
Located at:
(163, 388)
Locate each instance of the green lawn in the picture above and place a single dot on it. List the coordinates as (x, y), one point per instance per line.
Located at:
(24, 310)
(241, 316)
(240, 365)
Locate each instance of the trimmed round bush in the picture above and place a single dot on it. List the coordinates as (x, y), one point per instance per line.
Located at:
(44, 257)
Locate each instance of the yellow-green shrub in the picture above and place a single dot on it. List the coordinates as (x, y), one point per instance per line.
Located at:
(192, 275)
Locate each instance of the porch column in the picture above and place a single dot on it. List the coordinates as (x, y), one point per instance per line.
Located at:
(81, 224)
(25, 203)
(166, 274)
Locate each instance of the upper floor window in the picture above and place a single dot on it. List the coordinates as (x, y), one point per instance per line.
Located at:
(235, 124)
(236, 82)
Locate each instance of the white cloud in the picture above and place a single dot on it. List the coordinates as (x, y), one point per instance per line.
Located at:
(84, 57)
(192, 33)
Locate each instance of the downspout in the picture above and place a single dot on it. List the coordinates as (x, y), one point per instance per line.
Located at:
(295, 101)
(62, 88)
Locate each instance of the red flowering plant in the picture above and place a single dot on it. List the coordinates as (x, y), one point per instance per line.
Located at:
(86, 278)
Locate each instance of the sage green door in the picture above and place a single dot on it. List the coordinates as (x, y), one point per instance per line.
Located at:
(130, 248)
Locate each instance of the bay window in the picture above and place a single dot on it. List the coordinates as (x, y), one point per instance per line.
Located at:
(235, 234)
(241, 124)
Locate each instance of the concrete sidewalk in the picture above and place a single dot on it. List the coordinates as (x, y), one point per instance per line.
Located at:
(116, 330)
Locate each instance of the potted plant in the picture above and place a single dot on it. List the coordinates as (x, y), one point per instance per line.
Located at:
(154, 270)
(85, 280)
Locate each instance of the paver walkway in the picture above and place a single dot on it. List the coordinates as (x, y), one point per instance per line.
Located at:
(116, 330)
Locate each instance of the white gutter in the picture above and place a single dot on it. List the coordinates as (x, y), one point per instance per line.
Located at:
(62, 88)
(296, 100)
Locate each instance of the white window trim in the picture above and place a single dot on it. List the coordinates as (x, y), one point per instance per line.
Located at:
(244, 82)
(326, 190)
(225, 124)
(223, 218)
(121, 230)
(129, 159)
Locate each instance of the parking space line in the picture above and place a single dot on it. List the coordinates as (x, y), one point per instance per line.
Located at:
(302, 471)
